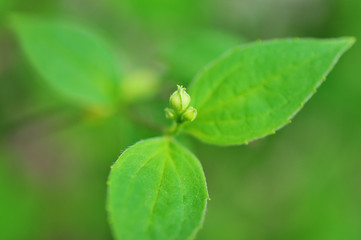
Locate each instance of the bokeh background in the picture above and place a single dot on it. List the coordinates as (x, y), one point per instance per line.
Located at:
(302, 183)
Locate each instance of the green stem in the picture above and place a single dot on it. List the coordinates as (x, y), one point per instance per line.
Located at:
(174, 129)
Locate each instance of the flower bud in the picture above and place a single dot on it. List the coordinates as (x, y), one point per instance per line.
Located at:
(179, 100)
(169, 113)
(190, 114)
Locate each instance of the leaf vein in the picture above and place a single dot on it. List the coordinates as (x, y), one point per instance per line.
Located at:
(244, 94)
(181, 187)
(156, 197)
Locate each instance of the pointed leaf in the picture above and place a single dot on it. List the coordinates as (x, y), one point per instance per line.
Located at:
(75, 61)
(256, 88)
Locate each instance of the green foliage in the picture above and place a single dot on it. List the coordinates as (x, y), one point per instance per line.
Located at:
(156, 190)
(257, 88)
(75, 61)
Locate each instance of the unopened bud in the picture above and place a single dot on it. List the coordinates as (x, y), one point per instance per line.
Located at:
(190, 114)
(179, 100)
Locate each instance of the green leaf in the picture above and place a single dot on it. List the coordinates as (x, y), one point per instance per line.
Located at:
(257, 88)
(74, 60)
(139, 85)
(157, 190)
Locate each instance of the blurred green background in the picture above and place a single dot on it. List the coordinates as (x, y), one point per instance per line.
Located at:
(302, 183)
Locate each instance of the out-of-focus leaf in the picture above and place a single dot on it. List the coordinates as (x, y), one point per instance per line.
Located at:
(139, 85)
(74, 60)
(157, 190)
(257, 88)
(190, 54)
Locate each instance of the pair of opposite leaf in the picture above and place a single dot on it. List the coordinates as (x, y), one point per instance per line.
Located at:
(157, 189)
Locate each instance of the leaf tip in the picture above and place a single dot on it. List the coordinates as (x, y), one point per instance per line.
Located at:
(348, 42)
(351, 40)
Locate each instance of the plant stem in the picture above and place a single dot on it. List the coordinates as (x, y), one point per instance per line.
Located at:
(174, 129)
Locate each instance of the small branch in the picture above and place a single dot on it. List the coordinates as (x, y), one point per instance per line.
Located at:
(174, 129)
